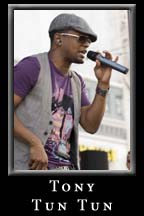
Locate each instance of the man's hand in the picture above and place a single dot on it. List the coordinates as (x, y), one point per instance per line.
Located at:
(38, 158)
(103, 72)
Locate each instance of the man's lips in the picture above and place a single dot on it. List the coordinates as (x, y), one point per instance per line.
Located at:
(82, 53)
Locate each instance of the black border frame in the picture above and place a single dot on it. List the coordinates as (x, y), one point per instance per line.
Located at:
(132, 29)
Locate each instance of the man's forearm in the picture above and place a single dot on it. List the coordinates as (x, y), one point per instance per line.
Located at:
(92, 115)
(24, 134)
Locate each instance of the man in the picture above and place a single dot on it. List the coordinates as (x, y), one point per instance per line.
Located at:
(128, 160)
(50, 100)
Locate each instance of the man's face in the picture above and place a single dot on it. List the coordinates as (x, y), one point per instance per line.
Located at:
(74, 46)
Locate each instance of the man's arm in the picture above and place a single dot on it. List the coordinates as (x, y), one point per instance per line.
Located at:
(91, 116)
(38, 157)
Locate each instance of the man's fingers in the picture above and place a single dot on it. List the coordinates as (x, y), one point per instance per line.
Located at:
(33, 165)
(38, 165)
(116, 59)
(108, 55)
(98, 64)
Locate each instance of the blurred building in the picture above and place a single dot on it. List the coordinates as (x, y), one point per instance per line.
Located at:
(113, 135)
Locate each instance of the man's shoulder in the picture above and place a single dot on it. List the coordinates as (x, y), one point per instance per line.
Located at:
(77, 75)
(40, 55)
(32, 60)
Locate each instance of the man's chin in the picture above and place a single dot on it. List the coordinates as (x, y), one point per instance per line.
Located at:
(80, 61)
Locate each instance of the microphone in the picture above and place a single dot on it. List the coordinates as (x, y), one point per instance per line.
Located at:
(96, 55)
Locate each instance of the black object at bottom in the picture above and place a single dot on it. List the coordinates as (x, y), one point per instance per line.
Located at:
(93, 160)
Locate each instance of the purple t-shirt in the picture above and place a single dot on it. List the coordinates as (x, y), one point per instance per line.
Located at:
(57, 147)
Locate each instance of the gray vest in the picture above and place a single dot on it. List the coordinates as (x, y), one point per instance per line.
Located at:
(35, 113)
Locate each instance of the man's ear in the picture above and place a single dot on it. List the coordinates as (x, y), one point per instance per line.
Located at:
(59, 42)
(58, 39)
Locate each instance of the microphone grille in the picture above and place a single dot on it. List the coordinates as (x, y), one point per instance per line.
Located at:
(92, 55)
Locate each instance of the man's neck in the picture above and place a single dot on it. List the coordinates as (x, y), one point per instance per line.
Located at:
(59, 62)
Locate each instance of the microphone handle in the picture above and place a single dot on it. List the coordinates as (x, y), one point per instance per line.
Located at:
(112, 64)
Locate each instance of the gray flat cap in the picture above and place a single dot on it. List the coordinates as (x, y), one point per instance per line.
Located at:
(71, 21)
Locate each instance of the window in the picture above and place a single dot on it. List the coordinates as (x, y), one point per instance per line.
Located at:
(118, 104)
